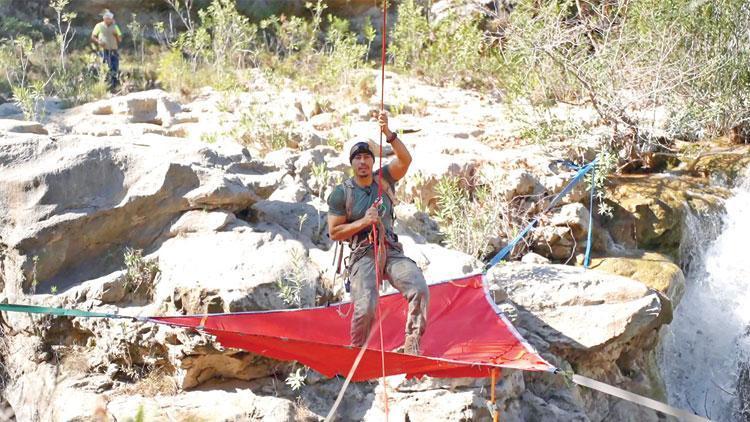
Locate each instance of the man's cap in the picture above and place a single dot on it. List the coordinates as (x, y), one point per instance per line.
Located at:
(107, 14)
(360, 148)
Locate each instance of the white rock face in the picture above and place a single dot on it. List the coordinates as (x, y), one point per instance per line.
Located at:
(20, 126)
(588, 308)
(226, 223)
(67, 204)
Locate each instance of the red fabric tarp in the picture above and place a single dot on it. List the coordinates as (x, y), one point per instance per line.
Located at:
(466, 336)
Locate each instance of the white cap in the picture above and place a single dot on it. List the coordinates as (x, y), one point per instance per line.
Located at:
(108, 14)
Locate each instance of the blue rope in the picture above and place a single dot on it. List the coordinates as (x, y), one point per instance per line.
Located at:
(587, 259)
(509, 247)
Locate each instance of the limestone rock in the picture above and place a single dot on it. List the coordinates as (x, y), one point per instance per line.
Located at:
(21, 126)
(533, 258)
(316, 157)
(116, 191)
(649, 209)
(154, 106)
(201, 221)
(654, 270)
(582, 309)
(233, 271)
(300, 218)
(197, 369)
(418, 223)
(575, 216)
(426, 171)
(519, 183)
(290, 190)
(9, 109)
(439, 263)
(304, 136)
(323, 121)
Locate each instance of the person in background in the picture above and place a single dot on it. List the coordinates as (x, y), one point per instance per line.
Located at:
(107, 37)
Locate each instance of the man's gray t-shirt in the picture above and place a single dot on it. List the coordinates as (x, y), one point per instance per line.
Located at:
(363, 199)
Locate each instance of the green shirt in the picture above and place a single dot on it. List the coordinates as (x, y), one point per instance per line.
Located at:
(363, 199)
(106, 34)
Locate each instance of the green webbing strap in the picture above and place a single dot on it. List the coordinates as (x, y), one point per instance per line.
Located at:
(30, 309)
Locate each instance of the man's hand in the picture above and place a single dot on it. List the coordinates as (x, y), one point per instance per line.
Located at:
(383, 121)
(371, 216)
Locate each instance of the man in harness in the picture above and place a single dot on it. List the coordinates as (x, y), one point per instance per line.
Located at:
(353, 210)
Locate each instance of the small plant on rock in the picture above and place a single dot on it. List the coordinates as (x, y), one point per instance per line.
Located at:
(296, 379)
(140, 272)
(292, 282)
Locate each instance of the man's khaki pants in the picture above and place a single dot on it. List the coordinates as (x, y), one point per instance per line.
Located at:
(406, 277)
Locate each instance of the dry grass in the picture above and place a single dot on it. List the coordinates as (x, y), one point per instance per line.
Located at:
(158, 382)
(75, 360)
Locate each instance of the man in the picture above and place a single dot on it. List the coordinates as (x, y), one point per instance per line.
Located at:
(352, 213)
(107, 36)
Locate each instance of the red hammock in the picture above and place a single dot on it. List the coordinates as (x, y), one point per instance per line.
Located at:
(466, 336)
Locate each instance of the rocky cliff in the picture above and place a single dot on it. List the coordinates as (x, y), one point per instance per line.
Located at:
(150, 204)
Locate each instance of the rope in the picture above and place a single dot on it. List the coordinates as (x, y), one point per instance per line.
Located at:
(509, 247)
(493, 399)
(637, 399)
(376, 238)
(354, 367)
(587, 259)
(376, 250)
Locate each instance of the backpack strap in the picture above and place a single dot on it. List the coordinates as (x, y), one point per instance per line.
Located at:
(388, 191)
(349, 198)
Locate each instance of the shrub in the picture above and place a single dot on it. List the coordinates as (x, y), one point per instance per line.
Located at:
(472, 219)
(139, 273)
(624, 57)
(451, 51)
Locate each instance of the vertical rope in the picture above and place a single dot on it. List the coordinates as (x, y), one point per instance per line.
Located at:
(376, 251)
(493, 399)
(587, 259)
(382, 92)
(377, 246)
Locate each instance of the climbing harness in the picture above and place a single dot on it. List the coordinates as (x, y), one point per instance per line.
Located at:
(378, 237)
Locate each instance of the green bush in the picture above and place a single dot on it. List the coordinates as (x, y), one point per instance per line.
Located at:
(622, 57)
(453, 51)
(470, 218)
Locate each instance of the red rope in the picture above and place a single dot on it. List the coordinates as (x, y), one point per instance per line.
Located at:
(376, 238)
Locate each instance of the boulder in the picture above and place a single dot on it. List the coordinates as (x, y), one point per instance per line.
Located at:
(413, 222)
(519, 183)
(10, 109)
(654, 270)
(605, 325)
(21, 126)
(533, 258)
(427, 171)
(437, 262)
(201, 221)
(574, 216)
(238, 270)
(67, 214)
(582, 309)
(317, 157)
(304, 220)
(154, 107)
(648, 210)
